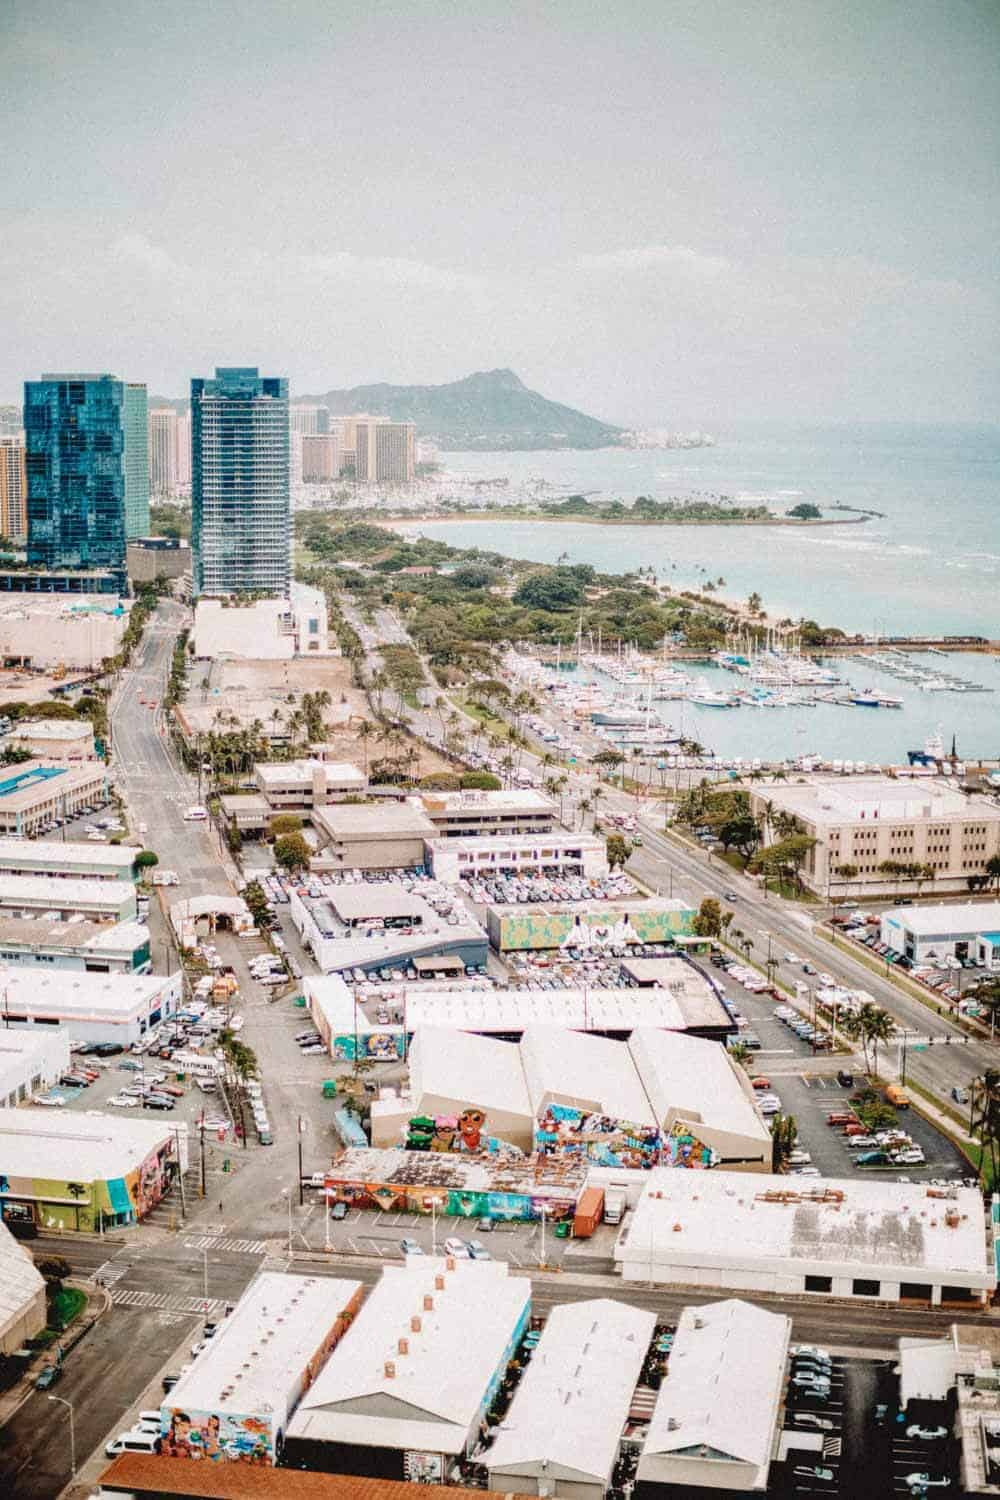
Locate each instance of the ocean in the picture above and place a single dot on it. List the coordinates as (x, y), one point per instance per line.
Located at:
(929, 565)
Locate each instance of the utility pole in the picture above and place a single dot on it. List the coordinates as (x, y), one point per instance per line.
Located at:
(180, 1170)
(201, 1132)
(301, 1132)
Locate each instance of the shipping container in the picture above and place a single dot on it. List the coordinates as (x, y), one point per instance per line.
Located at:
(588, 1212)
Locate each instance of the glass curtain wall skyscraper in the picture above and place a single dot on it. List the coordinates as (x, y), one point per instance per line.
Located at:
(83, 441)
(240, 491)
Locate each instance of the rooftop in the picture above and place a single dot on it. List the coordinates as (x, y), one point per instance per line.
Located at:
(513, 1010)
(26, 784)
(58, 855)
(438, 804)
(878, 799)
(53, 729)
(62, 893)
(723, 1386)
(554, 1177)
(592, 1073)
(149, 1475)
(20, 1283)
(723, 1219)
(573, 1400)
(354, 903)
(37, 991)
(349, 820)
(273, 1333)
(692, 991)
(478, 1068)
(43, 1144)
(301, 773)
(512, 842)
(963, 917)
(690, 1079)
(44, 931)
(408, 1361)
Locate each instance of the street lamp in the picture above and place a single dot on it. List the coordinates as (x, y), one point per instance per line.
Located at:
(72, 1432)
(543, 1211)
(288, 1200)
(434, 1202)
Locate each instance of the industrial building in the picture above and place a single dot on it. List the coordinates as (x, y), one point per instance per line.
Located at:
(94, 900)
(404, 1393)
(562, 1433)
(472, 814)
(234, 1402)
(34, 794)
(717, 1419)
(558, 853)
(76, 943)
(55, 739)
(49, 632)
(926, 934)
(873, 1240)
(144, 1476)
(85, 1171)
(449, 1184)
(23, 1303)
(588, 927)
(864, 823)
(66, 861)
(92, 1007)
(371, 836)
(374, 926)
(497, 1012)
(30, 1062)
(659, 1099)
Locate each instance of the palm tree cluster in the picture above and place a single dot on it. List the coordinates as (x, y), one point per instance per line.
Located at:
(984, 1120)
(871, 1026)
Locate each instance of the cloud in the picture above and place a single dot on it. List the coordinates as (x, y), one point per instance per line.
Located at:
(656, 258)
(142, 252)
(392, 270)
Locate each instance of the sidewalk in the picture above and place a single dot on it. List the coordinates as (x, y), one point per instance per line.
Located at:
(98, 1303)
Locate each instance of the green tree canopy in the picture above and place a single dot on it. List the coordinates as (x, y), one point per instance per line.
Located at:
(292, 852)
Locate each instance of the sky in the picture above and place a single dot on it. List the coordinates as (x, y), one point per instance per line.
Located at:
(662, 212)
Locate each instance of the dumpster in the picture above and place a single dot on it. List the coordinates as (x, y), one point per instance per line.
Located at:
(300, 1001)
(330, 1088)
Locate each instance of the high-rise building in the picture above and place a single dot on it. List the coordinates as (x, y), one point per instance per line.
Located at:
(136, 418)
(320, 457)
(309, 419)
(13, 488)
(87, 469)
(240, 490)
(163, 450)
(383, 451)
(11, 421)
(184, 450)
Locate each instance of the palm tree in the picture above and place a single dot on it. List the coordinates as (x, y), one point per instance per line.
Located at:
(365, 731)
(877, 1025)
(741, 1055)
(784, 1134)
(984, 1119)
(992, 869)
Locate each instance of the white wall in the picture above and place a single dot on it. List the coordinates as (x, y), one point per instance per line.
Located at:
(47, 639)
(44, 1056)
(252, 631)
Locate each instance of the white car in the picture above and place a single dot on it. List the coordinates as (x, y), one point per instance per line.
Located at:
(51, 1101)
(791, 958)
(196, 815)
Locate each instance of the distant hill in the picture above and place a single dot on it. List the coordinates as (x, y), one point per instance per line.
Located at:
(491, 410)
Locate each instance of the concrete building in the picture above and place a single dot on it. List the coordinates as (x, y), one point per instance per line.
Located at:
(240, 496)
(562, 1433)
(310, 420)
(717, 1419)
(34, 794)
(60, 900)
(92, 1007)
(508, 1013)
(13, 488)
(558, 853)
(383, 450)
(874, 1240)
(23, 1303)
(72, 860)
(453, 1184)
(321, 458)
(152, 557)
(691, 989)
(184, 452)
(371, 836)
(404, 1393)
(236, 1399)
(465, 814)
(144, 1476)
(301, 785)
(55, 739)
(30, 1062)
(85, 1171)
(58, 633)
(925, 934)
(163, 451)
(75, 944)
(588, 928)
(703, 1103)
(371, 927)
(263, 629)
(864, 823)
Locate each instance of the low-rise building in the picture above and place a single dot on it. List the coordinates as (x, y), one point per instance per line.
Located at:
(263, 629)
(924, 934)
(30, 1062)
(473, 813)
(247, 812)
(300, 785)
(588, 927)
(717, 1419)
(152, 557)
(23, 1304)
(66, 861)
(405, 1392)
(92, 1007)
(861, 825)
(371, 836)
(557, 853)
(144, 1476)
(60, 900)
(85, 1171)
(34, 794)
(55, 739)
(234, 1402)
(873, 1240)
(377, 926)
(562, 1433)
(91, 947)
(693, 990)
(57, 632)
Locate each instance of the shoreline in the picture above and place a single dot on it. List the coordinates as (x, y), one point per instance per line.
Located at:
(503, 513)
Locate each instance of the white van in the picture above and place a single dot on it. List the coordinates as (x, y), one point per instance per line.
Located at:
(135, 1441)
(196, 815)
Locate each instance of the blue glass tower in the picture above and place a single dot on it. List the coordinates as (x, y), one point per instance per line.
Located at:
(240, 494)
(77, 453)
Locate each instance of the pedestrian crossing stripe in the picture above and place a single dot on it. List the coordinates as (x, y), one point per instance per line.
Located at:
(239, 1247)
(165, 1301)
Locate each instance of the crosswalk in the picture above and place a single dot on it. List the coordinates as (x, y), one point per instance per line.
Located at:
(214, 1242)
(167, 1301)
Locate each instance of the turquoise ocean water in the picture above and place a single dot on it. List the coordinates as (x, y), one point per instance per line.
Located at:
(929, 565)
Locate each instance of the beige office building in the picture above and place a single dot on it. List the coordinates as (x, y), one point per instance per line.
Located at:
(184, 450)
(162, 450)
(320, 457)
(864, 823)
(13, 488)
(384, 451)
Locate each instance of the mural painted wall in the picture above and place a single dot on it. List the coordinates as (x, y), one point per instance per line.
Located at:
(565, 1130)
(467, 1132)
(218, 1437)
(461, 1202)
(608, 927)
(380, 1045)
(680, 1147)
(64, 1203)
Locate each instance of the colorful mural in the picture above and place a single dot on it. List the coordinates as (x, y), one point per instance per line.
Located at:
(464, 1203)
(680, 1147)
(63, 1203)
(606, 927)
(466, 1132)
(382, 1046)
(564, 1129)
(222, 1438)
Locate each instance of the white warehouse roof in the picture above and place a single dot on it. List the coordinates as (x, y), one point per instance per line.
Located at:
(687, 1078)
(486, 1070)
(455, 1326)
(723, 1387)
(966, 918)
(513, 1010)
(71, 993)
(20, 1282)
(570, 1409)
(56, 1145)
(21, 853)
(593, 1073)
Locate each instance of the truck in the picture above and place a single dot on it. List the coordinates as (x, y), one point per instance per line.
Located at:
(614, 1205)
(589, 1211)
(897, 1097)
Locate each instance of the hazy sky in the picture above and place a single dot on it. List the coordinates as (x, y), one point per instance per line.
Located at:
(663, 212)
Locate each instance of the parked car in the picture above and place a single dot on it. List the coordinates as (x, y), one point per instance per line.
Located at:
(926, 1434)
(456, 1247)
(813, 1471)
(47, 1377)
(812, 1419)
(410, 1247)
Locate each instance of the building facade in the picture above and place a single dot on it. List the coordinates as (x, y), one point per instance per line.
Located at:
(13, 488)
(163, 450)
(86, 461)
(240, 484)
(309, 420)
(384, 451)
(321, 457)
